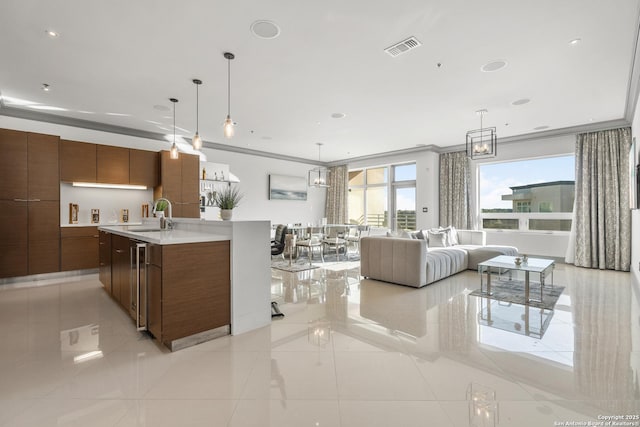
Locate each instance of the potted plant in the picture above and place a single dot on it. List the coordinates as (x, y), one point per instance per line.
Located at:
(226, 200)
(159, 208)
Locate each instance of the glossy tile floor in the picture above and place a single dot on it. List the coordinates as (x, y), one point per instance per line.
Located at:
(349, 352)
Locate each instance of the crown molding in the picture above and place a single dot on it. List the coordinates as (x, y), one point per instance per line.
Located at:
(22, 113)
(633, 86)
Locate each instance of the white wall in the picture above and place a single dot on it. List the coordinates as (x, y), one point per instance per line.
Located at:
(427, 171)
(253, 172)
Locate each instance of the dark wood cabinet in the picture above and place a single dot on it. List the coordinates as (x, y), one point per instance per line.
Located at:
(44, 236)
(190, 180)
(143, 168)
(120, 268)
(43, 155)
(79, 248)
(14, 248)
(112, 164)
(196, 292)
(77, 161)
(104, 254)
(13, 165)
(29, 203)
(188, 286)
(179, 183)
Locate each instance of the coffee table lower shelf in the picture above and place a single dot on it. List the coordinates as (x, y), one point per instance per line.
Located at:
(506, 264)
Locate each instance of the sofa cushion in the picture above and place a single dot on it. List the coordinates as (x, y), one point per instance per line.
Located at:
(444, 262)
(478, 254)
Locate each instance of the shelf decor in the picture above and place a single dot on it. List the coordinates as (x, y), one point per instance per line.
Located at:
(74, 209)
(95, 216)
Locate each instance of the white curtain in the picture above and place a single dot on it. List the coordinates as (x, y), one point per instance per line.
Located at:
(601, 227)
(455, 179)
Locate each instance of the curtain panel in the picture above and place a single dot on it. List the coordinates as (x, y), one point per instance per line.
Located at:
(601, 231)
(455, 180)
(336, 204)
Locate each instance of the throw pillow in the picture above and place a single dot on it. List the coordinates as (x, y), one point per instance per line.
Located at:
(452, 234)
(437, 239)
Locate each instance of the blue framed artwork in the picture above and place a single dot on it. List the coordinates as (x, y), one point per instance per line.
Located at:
(283, 187)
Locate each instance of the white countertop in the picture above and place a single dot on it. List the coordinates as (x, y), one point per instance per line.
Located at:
(163, 237)
(102, 224)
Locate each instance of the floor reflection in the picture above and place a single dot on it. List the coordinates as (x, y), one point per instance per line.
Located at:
(585, 350)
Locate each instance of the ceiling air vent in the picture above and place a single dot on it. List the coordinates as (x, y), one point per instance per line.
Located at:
(403, 46)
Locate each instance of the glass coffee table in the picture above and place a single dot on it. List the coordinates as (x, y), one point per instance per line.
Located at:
(503, 264)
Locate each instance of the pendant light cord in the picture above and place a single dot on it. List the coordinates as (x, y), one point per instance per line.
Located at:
(197, 109)
(229, 87)
(174, 123)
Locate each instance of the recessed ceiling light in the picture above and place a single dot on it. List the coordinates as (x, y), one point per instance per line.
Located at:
(521, 101)
(493, 66)
(161, 107)
(118, 114)
(45, 87)
(51, 33)
(575, 41)
(338, 115)
(265, 29)
(85, 112)
(541, 128)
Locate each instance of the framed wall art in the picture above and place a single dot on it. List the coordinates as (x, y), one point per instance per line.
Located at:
(284, 187)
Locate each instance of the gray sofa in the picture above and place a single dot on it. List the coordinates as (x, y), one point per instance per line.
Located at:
(411, 262)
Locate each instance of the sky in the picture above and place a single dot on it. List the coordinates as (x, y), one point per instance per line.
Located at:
(496, 178)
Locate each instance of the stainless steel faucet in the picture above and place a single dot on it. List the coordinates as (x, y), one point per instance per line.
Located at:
(168, 221)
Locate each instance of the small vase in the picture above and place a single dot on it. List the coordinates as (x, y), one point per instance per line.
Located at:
(226, 214)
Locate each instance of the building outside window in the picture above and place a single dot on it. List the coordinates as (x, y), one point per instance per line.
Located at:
(528, 195)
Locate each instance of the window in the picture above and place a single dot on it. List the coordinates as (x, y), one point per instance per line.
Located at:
(383, 196)
(528, 195)
(522, 206)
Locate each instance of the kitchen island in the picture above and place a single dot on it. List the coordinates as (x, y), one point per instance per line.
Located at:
(186, 285)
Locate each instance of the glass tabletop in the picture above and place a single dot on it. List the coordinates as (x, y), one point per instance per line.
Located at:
(508, 262)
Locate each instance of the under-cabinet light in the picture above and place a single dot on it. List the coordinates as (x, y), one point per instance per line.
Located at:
(88, 356)
(100, 185)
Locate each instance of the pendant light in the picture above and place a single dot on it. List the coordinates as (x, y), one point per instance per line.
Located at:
(228, 123)
(319, 177)
(174, 148)
(482, 143)
(197, 141)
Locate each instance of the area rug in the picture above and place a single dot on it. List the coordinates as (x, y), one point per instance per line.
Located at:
(295, 266)
(513, 291)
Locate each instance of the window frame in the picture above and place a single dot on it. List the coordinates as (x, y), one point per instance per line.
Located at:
(522, 217)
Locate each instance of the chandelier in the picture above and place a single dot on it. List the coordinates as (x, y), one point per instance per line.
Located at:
(482, 143)
(319, 177)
